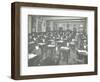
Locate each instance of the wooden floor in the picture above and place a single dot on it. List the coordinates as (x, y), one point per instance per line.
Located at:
(58, 57)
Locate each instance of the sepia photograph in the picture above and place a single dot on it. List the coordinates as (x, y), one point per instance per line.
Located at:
(57, 40)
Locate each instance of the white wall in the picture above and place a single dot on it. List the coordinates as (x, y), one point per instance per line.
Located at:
(5, 40)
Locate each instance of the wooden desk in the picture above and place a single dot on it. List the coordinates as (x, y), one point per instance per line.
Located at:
(65, 53)
(83, 55)
(43, 47)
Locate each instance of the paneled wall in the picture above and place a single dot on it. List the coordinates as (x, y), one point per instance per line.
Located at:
(43, 24)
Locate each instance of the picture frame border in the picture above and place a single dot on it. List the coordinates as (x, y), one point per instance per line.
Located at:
(15, 39)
